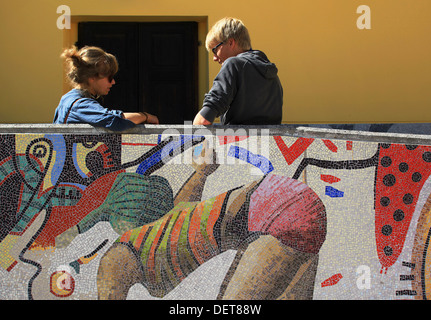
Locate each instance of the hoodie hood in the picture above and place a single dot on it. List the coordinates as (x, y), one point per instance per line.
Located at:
(246, 91)
(260, 61)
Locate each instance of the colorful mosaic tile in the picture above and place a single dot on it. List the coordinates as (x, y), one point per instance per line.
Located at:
(135, 216)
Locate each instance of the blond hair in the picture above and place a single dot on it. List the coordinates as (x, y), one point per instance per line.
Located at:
(229, 28)
(88, 62)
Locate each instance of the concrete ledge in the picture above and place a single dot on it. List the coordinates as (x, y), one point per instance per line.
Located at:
(354, 133)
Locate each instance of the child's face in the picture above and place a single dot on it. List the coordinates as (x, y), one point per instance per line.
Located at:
(224, 50)
(101, 86)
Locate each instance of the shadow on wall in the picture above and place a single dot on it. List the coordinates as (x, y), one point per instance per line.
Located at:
(408, 128)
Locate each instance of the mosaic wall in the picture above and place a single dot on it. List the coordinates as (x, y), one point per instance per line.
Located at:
(137, 216)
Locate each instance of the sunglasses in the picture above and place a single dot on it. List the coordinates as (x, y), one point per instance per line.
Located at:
(110, 77)
(214, 50)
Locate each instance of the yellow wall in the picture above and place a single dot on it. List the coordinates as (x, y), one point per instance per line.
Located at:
(331, 71)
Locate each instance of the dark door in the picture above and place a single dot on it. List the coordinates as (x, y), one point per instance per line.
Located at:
(158, 66)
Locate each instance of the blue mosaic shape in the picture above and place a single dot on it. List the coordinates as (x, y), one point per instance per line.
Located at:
(333, 193)
(256, 160)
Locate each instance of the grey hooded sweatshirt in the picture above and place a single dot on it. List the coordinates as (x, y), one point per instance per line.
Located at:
(246, 91)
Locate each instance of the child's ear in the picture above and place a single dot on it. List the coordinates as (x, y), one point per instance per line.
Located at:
(91, 80)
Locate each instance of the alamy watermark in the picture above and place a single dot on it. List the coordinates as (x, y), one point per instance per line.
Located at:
(362, 22)
(194, 145)
(364, 277)
(63, 21)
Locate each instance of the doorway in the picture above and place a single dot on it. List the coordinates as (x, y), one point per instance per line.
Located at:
(158, 67)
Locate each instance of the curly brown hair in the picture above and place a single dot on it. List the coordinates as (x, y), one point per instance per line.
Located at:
(88, 62)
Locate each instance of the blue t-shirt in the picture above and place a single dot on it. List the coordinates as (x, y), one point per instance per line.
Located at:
(88, 110)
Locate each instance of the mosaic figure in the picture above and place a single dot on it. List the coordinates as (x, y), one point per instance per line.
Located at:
(75, 182)
(90, 216)
(277, 225)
